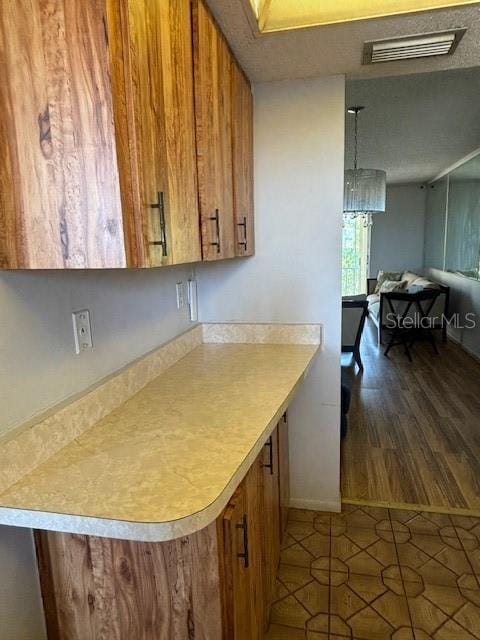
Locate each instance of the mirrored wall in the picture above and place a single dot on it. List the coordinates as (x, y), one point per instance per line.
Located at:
(452, 230)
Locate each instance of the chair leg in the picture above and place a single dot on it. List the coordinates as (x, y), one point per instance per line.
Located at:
(358, 359)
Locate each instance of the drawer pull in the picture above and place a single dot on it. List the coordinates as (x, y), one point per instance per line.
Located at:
(269, 465)
(244, 555)
(216, 219)
(243, 243)
(160, 205)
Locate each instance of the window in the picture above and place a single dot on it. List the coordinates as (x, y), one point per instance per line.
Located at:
(355, 257)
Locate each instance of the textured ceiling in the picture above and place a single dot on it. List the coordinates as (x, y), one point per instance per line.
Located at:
(337, 49)
(415, 126)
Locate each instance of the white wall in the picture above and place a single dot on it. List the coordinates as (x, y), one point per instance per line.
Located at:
(132, 313)
(397, 240)
(295, 275)
(21, 615)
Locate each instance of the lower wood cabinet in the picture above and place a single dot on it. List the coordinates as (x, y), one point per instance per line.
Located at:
(271, 514)
(105, 589)
(283, 472)
(216, 584)
(241, 553)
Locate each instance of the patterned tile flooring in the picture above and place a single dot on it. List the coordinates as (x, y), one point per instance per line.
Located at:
(378, 574)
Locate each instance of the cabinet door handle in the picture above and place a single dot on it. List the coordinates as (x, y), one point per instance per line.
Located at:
(244, 554)
(160, 205)
(216, 219)
(243, 243)
(269, 465)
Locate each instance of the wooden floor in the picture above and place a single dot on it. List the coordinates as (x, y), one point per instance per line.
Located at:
(414, 429)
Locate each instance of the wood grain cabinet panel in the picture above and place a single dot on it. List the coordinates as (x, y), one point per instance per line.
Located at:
(158, 85)
(213, 115)
(60, 197)
(216, 584)
(242, 162)
(103, 589)
(237, 568)
(242, 549)
(98, 134)
(119, 135)
(271, 510)
(283, 472)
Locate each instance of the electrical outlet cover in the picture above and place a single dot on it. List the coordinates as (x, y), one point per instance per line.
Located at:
(82, 330)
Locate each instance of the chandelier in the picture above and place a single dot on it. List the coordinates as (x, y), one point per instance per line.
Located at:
(364, 189)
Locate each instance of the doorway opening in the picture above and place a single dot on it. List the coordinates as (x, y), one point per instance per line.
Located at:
(413, 436)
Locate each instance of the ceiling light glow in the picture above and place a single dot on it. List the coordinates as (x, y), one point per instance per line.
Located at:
(279, 15)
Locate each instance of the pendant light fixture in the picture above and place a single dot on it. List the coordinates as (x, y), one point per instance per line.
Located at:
(364, 189)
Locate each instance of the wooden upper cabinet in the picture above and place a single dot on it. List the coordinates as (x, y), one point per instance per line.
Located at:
(59, 189)
(242, 155)
(159, 101)
(213, 114)
(118, 136)
(98, 134)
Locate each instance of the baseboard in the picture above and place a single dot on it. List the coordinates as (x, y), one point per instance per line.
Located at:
(408, 506)
(316, 505)
(470, 352)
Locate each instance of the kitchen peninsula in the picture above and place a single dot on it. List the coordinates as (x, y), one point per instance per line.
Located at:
(159, 497)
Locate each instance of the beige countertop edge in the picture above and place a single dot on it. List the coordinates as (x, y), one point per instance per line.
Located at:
(148, 531)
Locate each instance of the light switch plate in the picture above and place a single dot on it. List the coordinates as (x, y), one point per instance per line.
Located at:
(193, 300)
(82, 330)
(180, 295)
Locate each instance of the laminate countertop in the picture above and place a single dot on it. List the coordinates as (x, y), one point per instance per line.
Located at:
(165, 463)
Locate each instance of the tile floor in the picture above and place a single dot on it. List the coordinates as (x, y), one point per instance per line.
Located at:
(378, 574)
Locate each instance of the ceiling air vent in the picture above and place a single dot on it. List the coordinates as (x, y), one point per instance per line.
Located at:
(423, 45)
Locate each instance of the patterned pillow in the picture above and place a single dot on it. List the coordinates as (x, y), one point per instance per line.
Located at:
(393, 285)
(387, 275)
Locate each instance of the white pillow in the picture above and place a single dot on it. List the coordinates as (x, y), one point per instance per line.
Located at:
(386, 275)
(393, 285)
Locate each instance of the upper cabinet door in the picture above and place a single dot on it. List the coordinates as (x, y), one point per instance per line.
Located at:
(59, 190)
(242, 150)
(213, 113)
(159, 103)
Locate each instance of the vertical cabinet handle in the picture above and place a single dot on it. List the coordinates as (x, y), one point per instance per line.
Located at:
(160, 205)
(269, 444)
(216, 219)
(244, 554)
(243, 243)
